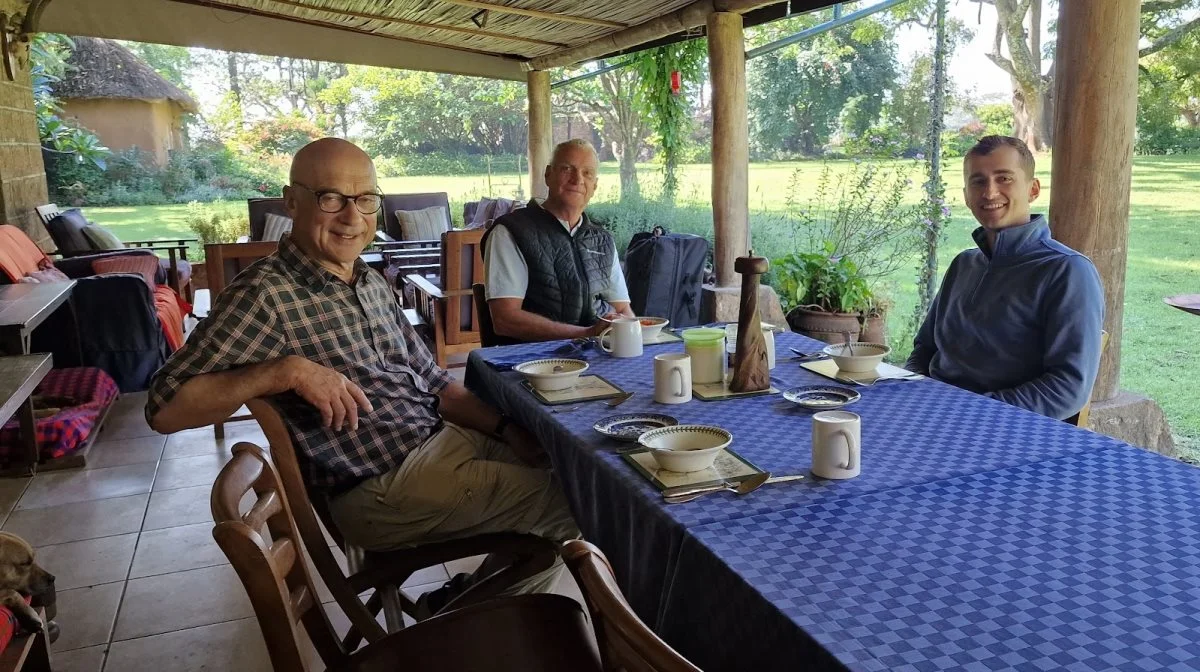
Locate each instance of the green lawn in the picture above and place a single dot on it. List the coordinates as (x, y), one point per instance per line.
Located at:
(1161, 350)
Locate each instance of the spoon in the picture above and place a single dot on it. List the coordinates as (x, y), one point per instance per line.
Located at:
(613, 403)
(848, 346)
(747, 486)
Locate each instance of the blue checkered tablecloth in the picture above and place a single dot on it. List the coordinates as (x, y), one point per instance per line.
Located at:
(1085, 562)
(913, 433)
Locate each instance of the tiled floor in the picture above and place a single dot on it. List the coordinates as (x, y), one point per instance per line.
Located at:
(141, 583)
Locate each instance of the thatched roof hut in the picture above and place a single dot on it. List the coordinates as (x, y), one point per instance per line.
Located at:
(104, 69)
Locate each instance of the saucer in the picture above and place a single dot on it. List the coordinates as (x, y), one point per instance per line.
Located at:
(629, 426)
(821, 397)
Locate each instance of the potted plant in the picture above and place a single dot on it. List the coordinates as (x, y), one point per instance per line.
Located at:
(852, 233)
(825, 295)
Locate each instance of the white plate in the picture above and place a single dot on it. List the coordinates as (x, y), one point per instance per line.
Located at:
(629, 426)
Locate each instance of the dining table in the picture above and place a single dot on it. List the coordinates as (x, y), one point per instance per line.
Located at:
(978, 535)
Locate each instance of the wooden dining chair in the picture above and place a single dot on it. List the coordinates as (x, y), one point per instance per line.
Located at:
(449, 308)
(1080, 419)
(517, 556)
(626, 643)
(526, 632)
(487, 332)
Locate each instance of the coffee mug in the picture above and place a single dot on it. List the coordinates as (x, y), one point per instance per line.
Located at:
(626, 338)
(672, 378)
(836, 444)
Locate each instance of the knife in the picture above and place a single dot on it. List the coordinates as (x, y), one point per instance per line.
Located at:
(685, 490)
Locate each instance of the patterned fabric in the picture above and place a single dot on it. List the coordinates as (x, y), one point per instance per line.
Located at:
(63, 433)
(275, 226)
(144, 265)
(45, 275)
(170, 315)
(424, 224)
(8, 627)
(102, 238)
(286, 304)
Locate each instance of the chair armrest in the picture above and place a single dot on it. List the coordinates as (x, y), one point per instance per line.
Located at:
(166, 248)
(406, 245)
(173, 242)
(424, 286)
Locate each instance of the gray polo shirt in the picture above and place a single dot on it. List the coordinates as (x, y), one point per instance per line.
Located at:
(508, 274)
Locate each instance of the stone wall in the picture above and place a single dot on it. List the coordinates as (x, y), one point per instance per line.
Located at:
(22, 172)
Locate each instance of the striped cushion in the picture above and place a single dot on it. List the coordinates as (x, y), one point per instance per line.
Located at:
(145, 265)
(426, 224)
(276, 226)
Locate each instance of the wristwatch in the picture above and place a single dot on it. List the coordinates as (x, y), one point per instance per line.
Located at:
(498, 432)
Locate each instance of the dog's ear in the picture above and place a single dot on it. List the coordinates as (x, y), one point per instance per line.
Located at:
(14, 549)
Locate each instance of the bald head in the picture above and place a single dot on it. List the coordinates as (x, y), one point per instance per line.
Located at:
(335, 153)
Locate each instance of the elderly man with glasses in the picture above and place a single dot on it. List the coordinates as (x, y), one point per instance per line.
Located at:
(402, 453)
(551, 272)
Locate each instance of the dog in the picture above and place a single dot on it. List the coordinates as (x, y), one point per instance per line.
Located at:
(21, 576)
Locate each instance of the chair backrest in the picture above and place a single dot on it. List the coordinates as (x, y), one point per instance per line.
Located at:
(1081, 418)
(308, 515)
(487, 333)
(626, 643)
(271, 567)
(66, 229)
(223, 261)
(258, 209)
(394, 202)
(462, 268)
(47, 212)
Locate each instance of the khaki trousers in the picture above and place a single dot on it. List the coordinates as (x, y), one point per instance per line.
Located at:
(459, 483)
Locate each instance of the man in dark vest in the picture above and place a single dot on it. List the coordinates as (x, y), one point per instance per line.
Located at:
(551, 272)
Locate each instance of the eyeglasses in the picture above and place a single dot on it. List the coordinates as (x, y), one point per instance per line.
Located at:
(334, 201)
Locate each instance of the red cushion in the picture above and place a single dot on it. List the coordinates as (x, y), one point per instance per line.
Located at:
(64, 432)
(19, 255)
(145, 265)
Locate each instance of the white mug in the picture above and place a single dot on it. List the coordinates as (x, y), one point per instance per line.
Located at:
(626, 338)
(836, 444)
(672, 378)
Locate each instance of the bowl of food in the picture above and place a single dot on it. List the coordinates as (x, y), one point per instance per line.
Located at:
(652, 327)
(857, 357)
(549, 375)
(685, 448)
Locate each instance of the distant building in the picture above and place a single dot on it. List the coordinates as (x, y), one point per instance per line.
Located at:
(122, 100)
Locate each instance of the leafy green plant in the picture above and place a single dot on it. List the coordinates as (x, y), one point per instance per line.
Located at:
(48, 62)
(215, 224)
(822, 281)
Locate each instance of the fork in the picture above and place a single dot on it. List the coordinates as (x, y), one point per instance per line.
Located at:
(863, 383)
(564, 410)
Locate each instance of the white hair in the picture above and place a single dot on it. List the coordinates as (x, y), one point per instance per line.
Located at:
(573, 143)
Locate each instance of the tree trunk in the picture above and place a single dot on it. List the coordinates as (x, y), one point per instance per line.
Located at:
(628, 158)
(1024, 67)
(235, 85)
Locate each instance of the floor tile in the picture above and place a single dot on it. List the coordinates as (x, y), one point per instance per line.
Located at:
(90, 659)
(234, 645)
(176, 549)
(87, 563)
(467, 565)
(127, 422)
(86, 616)
(11, 490)
(199, 442)
(413, 592)
(184, 506)
(78, 521)
(83, 485)
(188, 471)
(119, 452)
(168, 602)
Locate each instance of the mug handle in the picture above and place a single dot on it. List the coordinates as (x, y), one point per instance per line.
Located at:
(678, 371)
(600, 340)
(851, 451)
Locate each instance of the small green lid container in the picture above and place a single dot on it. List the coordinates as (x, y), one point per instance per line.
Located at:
(703, 336)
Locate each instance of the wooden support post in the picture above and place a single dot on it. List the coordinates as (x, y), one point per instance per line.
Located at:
(1095, 101)
(730, 143)
(541, 139)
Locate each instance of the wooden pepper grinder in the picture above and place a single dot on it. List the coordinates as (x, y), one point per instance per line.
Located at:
(751, 373)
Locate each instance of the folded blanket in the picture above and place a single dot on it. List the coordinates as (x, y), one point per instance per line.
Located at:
(506, 357)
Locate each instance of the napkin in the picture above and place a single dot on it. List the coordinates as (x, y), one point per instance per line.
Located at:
(505, 361)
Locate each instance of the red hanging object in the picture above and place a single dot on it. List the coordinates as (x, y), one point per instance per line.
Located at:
(676, 82)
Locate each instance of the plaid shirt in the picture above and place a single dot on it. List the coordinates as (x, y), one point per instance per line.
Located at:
(287, 304)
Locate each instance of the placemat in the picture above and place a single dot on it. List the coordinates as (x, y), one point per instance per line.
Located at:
(829, 369)
(729, 467)
(720, 391)
(663, 337)
(589, 388)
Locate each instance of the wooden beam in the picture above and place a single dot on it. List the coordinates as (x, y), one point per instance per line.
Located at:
(537, 14)
(689, 17)
(730, 144)
(541, 139)
(1095, 103)
(415, 24)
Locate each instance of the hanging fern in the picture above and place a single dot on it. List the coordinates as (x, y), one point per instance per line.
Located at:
(669, 113)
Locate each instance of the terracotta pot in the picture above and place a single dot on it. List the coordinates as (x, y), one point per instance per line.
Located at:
(828, 327)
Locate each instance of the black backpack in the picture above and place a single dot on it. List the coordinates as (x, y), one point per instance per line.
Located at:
(664, 272)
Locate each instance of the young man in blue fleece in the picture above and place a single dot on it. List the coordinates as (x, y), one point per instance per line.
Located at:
(1018, 319)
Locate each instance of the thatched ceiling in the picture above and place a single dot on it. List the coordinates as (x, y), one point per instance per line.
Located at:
(104, 69)
(490, 38)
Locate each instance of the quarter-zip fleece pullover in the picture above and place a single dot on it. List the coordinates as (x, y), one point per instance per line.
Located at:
(1020, 323)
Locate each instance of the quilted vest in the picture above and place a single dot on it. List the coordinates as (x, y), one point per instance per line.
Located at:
(566, 273)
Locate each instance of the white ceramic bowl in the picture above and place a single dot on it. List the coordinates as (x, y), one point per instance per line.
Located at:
(686, 448)
(866, 356)
(652, 327)
(549, 375)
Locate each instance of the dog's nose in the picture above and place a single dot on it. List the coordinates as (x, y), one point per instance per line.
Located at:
(49, 577)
